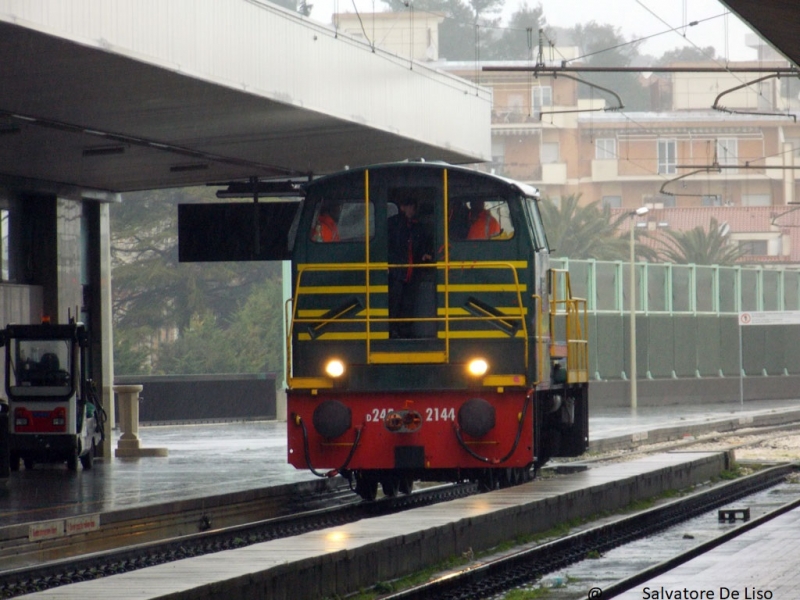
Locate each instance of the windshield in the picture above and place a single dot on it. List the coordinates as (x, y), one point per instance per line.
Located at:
(39, 367)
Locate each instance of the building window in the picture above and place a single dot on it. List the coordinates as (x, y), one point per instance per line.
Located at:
(664, 201)
(550, 153)
(541, 96)
(667, 157)
(515, 103)
(711, 200)
(728, 153)
(498, 150)
(756, 200)
(605, 149)
(754, 247)
(612, 201)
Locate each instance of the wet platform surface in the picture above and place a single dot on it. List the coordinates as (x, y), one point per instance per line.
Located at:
(223, 458)
(344, 558)
(759, 564)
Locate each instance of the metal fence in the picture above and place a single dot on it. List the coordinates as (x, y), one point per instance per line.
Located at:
(687, 319)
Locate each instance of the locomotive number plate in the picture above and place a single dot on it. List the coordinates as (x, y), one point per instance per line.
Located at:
(378, 414)
(431, 414)
(440, 414)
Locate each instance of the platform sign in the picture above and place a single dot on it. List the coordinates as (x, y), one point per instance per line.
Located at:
(784, 317)
(82, 524)
(775, 317)
(45, 530)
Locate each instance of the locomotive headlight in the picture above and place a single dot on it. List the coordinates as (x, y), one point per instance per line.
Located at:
(477, 367)
(334, 368)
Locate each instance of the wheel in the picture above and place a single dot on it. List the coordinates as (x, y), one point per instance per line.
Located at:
(13, 461)
(487, 481)
(507, 478)
(406, 484)
(366, 487)
(390, 486)
(28, 463)
(72, 461)
(87, 460)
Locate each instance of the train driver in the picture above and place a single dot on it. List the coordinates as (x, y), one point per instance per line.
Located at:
(483, 225)
(326, 228)
(409, 244)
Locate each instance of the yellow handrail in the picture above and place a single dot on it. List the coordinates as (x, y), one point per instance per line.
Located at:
(575, 313)
(369, 317)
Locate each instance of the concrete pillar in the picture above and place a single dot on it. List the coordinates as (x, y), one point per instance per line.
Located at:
(105, 330)
(280, 403)
(128, 443)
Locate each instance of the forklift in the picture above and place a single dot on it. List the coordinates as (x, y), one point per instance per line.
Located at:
(54, 412)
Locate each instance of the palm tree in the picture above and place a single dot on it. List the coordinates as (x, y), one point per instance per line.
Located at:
(588, 231)
(701, 247)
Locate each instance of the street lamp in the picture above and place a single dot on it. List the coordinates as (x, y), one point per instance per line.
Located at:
(642, 210)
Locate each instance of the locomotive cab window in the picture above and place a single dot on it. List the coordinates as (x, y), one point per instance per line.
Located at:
(337, 220)
(479, 218)
(540, 238)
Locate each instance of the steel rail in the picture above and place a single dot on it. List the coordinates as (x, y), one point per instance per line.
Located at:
(646, 574)
(523, 567)
(26, 580)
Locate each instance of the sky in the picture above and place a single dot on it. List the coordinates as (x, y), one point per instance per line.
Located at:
(652, 19)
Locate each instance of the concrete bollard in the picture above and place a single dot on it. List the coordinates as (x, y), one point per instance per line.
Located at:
(128, 443)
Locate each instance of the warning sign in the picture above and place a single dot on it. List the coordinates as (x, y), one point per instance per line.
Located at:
(45, 530)
(785, 317)
(82, 524)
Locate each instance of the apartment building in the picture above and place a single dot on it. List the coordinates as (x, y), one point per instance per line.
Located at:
(709, 140)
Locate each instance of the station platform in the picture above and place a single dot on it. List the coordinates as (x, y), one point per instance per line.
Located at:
(223, 458)
(343, 559)
(757, 565)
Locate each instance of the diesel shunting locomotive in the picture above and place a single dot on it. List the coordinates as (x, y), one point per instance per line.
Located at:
(428, 339)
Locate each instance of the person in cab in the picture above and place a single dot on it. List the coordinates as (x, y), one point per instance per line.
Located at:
(326, 228)
(483, 226)
(409, 244)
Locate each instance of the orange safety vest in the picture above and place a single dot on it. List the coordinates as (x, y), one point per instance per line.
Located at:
(485, 226)
(325, 230)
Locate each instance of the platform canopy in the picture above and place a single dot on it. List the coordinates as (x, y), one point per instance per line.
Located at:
(774, 20)
(131, 95)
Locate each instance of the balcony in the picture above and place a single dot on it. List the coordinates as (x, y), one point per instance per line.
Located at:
(605, 170)
(554, 173)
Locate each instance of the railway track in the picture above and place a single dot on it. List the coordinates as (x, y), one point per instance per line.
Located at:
(527, 566)
(24, 580)
(17, 582)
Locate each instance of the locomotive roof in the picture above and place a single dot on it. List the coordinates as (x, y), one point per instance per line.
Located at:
(521, 187)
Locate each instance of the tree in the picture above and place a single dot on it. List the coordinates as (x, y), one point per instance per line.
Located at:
(151, 288)
(251, 344)
(698, 246)
(686, 54)
(518, 40)
(156, 298)
(605, 46)
(584, 232)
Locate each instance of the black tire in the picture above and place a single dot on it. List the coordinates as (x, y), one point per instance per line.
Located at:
(28, 463)
(390, 486)
(487, 481)
(406, 484)
(87, 460)
(72, 461)
(366, 487)
(13, 461)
